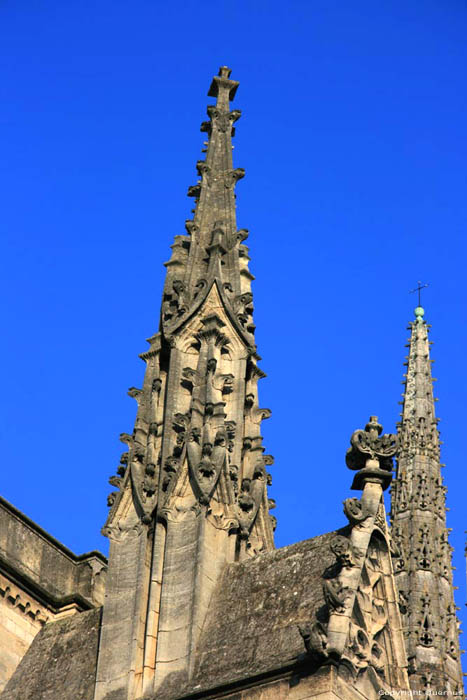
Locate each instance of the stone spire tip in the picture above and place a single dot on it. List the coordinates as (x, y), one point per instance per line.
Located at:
(222, 87)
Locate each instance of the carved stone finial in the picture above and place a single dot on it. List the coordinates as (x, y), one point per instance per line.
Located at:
(371, 453)
(222, 87)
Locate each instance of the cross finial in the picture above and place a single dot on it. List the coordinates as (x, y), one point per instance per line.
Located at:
(223, 88)
(224, 72)
(418, 289)
(419, 311)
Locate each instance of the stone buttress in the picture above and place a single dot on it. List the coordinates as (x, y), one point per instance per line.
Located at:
(422, 554)
(191, 490)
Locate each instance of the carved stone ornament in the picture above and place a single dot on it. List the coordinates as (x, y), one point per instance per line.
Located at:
(111, 498)
(194, 191)
(418, 437)
(427, 635)
(343, 551)
(231, 177)
(221, 119)
(403, 603)
(119, 532)
(115, 481)
(366, 646)
(18, 599)
(243, 306)
(398, 547)
(371, 454)
(177, 513)
(204, 171)
(355, 511)
(315, 640)
(380, 519)
(144, 482)
(175, 302)
(335, 594)
(249, 500)
(206, 463)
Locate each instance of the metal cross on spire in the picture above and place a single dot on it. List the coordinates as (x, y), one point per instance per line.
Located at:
(418, 289)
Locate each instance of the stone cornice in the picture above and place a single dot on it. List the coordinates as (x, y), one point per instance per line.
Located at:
(38, 530)
(44, 597)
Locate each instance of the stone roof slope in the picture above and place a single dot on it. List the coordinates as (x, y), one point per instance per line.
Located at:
(61, 661)
(253, 622)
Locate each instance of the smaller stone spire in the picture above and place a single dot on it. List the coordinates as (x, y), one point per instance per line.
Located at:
(422, 553)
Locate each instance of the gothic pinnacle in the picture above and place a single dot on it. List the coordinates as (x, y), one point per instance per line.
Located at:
(193, 490)
(213, 250)
(422, 559)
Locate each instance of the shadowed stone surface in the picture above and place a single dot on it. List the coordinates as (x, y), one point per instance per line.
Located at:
(61, 662)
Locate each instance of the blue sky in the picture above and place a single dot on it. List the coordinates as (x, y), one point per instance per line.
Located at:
(354, 143)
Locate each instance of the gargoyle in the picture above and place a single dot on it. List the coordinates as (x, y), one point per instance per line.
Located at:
(315, 640)
(334, 595)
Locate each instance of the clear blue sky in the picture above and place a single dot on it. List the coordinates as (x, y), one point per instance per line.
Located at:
(353, 138)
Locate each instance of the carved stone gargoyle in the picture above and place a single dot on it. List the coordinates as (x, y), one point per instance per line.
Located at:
(249, 499)
(371, 454)
(315, 640)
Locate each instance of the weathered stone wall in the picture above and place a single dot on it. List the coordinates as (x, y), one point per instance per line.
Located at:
(61, 662)
(21, 618)
(35, 555)
(302, 681)
(40, 581)
(324, 684)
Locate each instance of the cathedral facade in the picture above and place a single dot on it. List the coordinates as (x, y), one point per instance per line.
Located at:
(198, 601)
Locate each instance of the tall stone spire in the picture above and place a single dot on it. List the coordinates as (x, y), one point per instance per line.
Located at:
(191, 488)
(422, 554)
